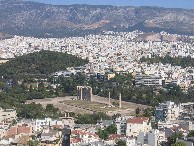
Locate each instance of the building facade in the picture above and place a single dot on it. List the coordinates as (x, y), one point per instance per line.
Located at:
(121, 124)
(7, 115)
(136, 125)
(148, 80)
(167, 111)
(151, 138)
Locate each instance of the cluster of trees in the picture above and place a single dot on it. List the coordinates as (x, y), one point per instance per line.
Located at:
(23, 93)
(179, 144)
(148, 95)
(33, 143)
(104, 133)
(91, 118)
(124, 84)
(172, 139)
(16, 96)
(191, 134)
(38, 63)
(25, 68)
(34, 111)
(175, 61)
(68, 86)
(121, 143)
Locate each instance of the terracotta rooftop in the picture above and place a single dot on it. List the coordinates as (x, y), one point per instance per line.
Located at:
(138, 120)
(114, 136)
(76, 140)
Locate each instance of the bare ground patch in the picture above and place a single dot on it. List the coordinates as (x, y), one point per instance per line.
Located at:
(99, 104)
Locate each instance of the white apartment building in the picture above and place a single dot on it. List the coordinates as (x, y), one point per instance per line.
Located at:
(152, 138)
(167, 111)
(148, 80)
(121, 124)
(41, 123)
(7, 115)
(136, 125)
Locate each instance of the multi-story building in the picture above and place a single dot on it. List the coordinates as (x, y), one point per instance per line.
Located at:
(136, 125)
(167, 111)
(47, 122)
(148, 80)
(152, 138)
(121, 124)
(51, 138)
(156, 137)
(7, 115)
(85, 136)
(188, 107)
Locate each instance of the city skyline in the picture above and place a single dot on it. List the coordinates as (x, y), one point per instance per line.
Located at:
(187, 4)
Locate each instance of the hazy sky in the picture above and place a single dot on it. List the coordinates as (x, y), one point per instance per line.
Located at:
(161, 3)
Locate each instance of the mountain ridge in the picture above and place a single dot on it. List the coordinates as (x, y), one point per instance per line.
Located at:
(45, 20)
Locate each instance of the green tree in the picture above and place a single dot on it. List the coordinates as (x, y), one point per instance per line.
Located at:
(179, 144)
(2, 85)
(14, 122)
(103, 134)
(121, 143)
(91, 118)
(51, 108)
(33, 143)
(172, 139)
(148, 112)
(41, 86)
(116, 116)
(191, 133)
(154, 124)
(111, 129)
(137, 111)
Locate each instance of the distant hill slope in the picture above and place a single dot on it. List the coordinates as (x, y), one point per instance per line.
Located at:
(43, 62)
(43, 20)
(5, 36)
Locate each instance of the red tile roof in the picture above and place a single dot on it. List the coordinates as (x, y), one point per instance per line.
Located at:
(114, 136)
(76, 140)
(138, 120)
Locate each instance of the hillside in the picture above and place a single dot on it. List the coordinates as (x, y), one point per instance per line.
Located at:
(4, 36)
(43, 20)
(43, 62)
